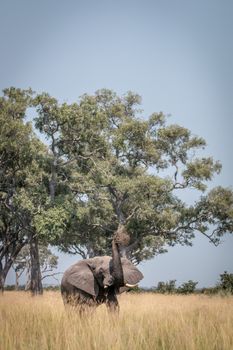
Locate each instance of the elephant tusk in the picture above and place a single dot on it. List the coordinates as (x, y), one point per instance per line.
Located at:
(105, 287)
(131, 285)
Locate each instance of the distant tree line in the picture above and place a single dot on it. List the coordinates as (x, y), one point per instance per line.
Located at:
(71, 173)
(223, 286)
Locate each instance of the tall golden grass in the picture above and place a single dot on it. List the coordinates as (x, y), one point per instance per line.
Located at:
(146, 321)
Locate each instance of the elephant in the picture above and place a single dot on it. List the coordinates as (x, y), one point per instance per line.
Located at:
(92, 282)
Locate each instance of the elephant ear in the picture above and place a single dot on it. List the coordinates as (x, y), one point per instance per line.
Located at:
(81, 277)
(131, 274)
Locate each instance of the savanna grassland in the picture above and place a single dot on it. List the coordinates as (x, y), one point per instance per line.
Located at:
(146, 321)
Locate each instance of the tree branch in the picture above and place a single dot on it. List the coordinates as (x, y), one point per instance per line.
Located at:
(51, 275)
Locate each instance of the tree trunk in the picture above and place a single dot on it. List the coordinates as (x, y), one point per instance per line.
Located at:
(35, 282)
(16, 280)
(28, 277)
(53, 179)
(3, 273)
(2, 281)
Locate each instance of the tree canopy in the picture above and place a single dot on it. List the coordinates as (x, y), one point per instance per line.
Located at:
(120, 167)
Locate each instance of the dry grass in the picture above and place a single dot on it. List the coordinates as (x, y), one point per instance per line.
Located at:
(146, 322)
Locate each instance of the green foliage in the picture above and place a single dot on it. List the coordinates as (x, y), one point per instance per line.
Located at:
(223, 287)
(52, 222)
(211, 290)
(199, 170)
(226, 282)
(170, 287)
(166, 287)
(187, 287)
(106, 163)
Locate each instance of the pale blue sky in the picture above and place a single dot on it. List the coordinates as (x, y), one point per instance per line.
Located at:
(177, 54)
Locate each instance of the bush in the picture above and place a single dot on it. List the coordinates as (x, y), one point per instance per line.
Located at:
(226, 282)
(187, 287)
(11, 287)
(52, 287)
(166, 287)
(210, 290)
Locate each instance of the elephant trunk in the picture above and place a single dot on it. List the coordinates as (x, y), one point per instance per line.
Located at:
(117, 270)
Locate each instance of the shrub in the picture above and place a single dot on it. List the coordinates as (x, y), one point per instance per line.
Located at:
(226, 282)
(187, 287)
(166, 287)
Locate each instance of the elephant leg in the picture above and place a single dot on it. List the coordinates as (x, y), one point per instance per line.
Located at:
(112, 302)
(86, 310)
(79, 302)
(87, 305)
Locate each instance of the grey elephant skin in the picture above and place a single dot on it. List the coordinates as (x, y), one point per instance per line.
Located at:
(92, 282)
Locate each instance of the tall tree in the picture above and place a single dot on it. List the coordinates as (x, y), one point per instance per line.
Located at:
(15, 159)
(22, 184)
(127, 170)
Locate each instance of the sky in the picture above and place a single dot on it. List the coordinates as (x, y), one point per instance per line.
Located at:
(176, 54)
